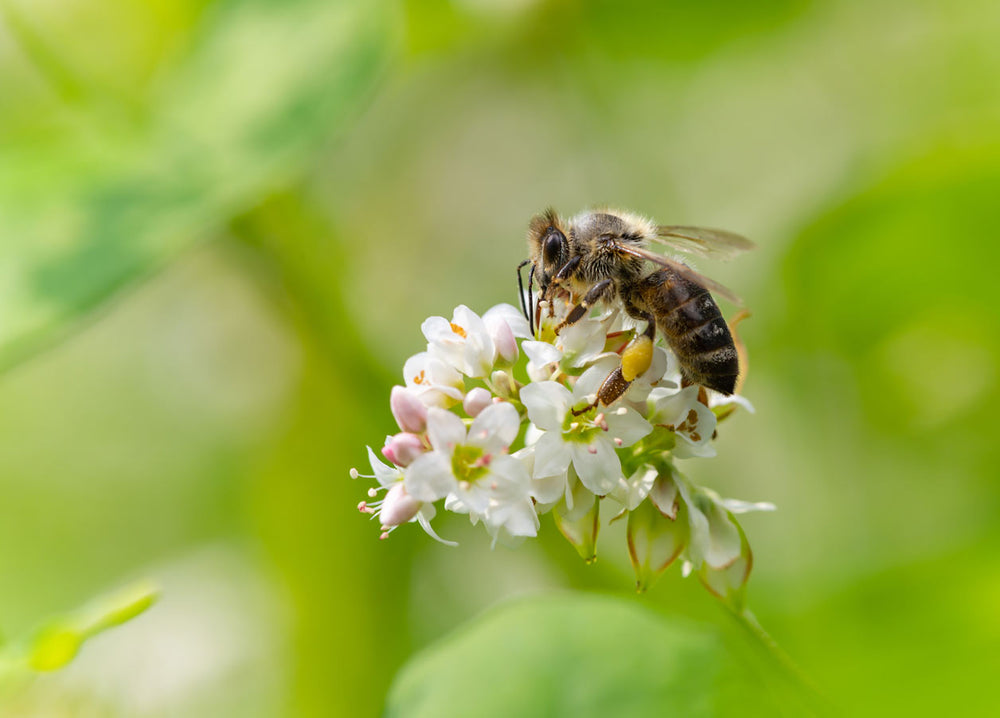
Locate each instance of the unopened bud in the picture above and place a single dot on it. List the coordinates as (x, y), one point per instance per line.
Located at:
(503, 385)
(503, 339)
(409, 412)
(403, 448)
(398, 506)
(476, 400)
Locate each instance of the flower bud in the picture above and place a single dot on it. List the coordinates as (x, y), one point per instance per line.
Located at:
(409, 412)
(503, 384)
(403, 448)
(398, 506)
(503, 339)
(476, 400)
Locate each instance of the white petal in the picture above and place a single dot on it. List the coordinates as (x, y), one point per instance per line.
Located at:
(548, 489)
(425, 524)
(552, 455)
(590, 381)
(519, 519)
(546, 402)
(510, 315)
(583, 341)
(599, 471)
(672, 407)
(742, 507)
(469, 321)
(510, 480)
(627, 425)
(385, 475)
(664, 496)
(479, 355)
(700, 538)
(444, 429)
(433, 381)
(476, 497)
(632, 491)
(495, 427)
(724, 538)
(429, 478)
(541, 353)
(437, 330)
(657, 367)
(715, 399)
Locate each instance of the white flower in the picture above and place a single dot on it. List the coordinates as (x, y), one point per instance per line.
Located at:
(691, 421)
(577, 346)
(471, 467)
(432, 380)
(511, 511)
(589, 440)
(398, 506)
(716, 540)
(472, 344)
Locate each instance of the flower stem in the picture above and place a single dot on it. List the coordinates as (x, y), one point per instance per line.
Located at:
(817, 702)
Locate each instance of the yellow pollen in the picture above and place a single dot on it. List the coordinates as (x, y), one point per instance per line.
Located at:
(458, 330)
(419, 378)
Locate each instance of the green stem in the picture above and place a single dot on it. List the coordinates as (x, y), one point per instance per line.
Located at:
(807, 688)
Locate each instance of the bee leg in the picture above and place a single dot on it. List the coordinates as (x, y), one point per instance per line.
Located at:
(565, 272)
(592, 297)
(636, 360)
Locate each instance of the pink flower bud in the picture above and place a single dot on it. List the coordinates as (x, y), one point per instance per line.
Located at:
(398, 507)
(503, 338)
(403, 448)
(409, 412)
(476, 400)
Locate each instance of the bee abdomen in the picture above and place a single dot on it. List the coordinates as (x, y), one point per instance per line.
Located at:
(695, 330)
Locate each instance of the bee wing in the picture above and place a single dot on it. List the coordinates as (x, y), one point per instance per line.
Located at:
(681, 269)
(712, 243)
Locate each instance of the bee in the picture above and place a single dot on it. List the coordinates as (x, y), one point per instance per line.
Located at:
(604, 256)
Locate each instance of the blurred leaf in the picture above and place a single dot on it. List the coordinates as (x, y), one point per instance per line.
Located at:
(576, 656)
(58, 642)
(898, 283)
(117, 192)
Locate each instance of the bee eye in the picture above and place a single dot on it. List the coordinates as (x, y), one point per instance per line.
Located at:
(553, 247)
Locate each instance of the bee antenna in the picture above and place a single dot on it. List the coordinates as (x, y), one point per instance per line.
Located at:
(531, 287)
(520, 290)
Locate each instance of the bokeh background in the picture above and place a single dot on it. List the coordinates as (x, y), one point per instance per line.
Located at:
(222, 222)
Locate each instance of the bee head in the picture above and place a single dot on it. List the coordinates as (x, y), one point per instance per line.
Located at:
(548, 246)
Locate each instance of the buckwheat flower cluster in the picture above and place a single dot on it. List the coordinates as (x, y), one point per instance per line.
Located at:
(505, 427)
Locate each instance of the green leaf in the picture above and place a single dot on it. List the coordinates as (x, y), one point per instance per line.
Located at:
(576, 656)
(114, 192)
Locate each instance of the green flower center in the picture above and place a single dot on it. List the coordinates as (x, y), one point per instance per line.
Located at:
(467, 463)
(580, 428)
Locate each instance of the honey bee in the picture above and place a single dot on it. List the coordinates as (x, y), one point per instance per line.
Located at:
(603, 256)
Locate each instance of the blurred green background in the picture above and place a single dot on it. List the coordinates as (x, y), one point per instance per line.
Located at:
(222, 222)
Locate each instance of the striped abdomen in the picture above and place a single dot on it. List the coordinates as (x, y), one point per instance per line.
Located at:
(690, 320)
